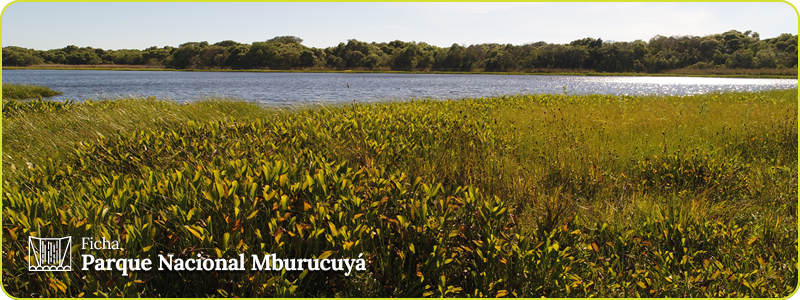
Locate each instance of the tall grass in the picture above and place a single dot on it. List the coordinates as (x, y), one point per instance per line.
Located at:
(529, 196)
(35, 130)
(777, 72)
(26, 91)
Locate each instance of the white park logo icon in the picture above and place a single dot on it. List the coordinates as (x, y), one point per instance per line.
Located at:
(49, 254)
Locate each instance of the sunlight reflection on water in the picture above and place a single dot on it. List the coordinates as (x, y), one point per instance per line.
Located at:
(306, 88)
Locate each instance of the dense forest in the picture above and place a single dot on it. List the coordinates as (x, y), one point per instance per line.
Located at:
(732, 50)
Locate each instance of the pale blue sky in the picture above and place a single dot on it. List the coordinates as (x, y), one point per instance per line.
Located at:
(140, 25)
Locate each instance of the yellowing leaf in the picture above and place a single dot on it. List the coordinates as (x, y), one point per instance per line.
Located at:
(347, 245)
(334, 231)
(325, 254)
(56, 284)
(194, 232)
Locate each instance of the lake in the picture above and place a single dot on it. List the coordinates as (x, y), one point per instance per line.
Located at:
(306, 88)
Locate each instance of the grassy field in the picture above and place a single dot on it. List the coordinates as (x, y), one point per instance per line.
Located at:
(26, 91)
(528, 196)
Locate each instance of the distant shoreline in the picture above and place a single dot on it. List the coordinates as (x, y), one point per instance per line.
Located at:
(721, 73)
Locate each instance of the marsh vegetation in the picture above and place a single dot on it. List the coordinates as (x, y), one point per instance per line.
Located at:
(527, 196)
(26, 91)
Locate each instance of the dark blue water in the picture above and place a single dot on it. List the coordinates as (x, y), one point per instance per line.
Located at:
(305, 88)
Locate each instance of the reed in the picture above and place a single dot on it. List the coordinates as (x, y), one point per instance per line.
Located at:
(26, 91)
(36, 130)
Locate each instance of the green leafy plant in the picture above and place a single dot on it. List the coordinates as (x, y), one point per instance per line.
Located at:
(513, 196)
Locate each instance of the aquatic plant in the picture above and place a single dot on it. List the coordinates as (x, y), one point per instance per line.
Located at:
(526, 196)
(26, 91)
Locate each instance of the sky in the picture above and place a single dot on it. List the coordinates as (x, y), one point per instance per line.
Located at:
(50, 25)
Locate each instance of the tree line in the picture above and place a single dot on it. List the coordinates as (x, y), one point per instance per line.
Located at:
(732, 50)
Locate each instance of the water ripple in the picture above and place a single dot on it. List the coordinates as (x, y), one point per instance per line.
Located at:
(296, 88)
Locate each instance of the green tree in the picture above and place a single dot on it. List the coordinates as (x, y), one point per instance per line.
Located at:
(21, 57)
(186, 56)
(741, 59)
(406, 58)
(214, 56)
(766, 58)
(285, 40)
(83, 58)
